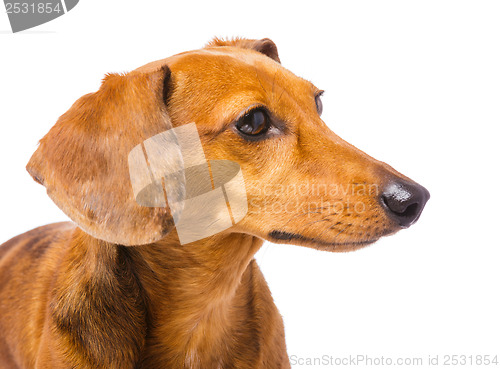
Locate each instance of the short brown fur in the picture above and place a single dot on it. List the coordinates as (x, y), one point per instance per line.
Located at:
(73, 296)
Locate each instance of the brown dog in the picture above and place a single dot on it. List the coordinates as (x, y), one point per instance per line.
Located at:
(75, 296)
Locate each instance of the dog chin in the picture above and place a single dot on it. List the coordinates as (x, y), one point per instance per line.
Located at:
(333, 246)
(346, 247)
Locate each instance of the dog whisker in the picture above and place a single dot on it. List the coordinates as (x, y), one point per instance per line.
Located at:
(342, 230)
(272, 85)
(300, 215)
(313, 222)
(281, 94)
(257, 75)
(327, 229)
(313, 211)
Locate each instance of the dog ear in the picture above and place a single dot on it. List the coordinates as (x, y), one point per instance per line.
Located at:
(264, 46)
(83, 159)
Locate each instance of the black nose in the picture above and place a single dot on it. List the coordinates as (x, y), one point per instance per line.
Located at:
(404, 201)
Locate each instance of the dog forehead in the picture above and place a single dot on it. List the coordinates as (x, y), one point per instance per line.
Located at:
(201, 56)
(227, 64)
(227, 80)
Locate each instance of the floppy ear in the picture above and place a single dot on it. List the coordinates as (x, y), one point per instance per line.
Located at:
(82, 161)
(264, 46)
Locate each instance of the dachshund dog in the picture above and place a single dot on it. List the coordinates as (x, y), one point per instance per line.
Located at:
(116, 289)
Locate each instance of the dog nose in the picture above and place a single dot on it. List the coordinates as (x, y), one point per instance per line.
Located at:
(404, 201)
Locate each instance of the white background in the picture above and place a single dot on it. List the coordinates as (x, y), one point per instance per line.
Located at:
(415, 84)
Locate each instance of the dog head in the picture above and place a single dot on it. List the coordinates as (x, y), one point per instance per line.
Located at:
(303, 183)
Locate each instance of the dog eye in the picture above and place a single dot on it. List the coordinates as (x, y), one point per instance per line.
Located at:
(253, 123)
(319, 103)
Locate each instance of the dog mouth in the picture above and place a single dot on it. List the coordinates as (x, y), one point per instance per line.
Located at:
(290, 237)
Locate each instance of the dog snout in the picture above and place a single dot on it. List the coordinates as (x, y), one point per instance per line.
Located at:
(404, 201)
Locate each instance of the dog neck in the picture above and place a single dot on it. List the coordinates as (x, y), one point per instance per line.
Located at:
(198, 277)
(192, 297)
(193, 292)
